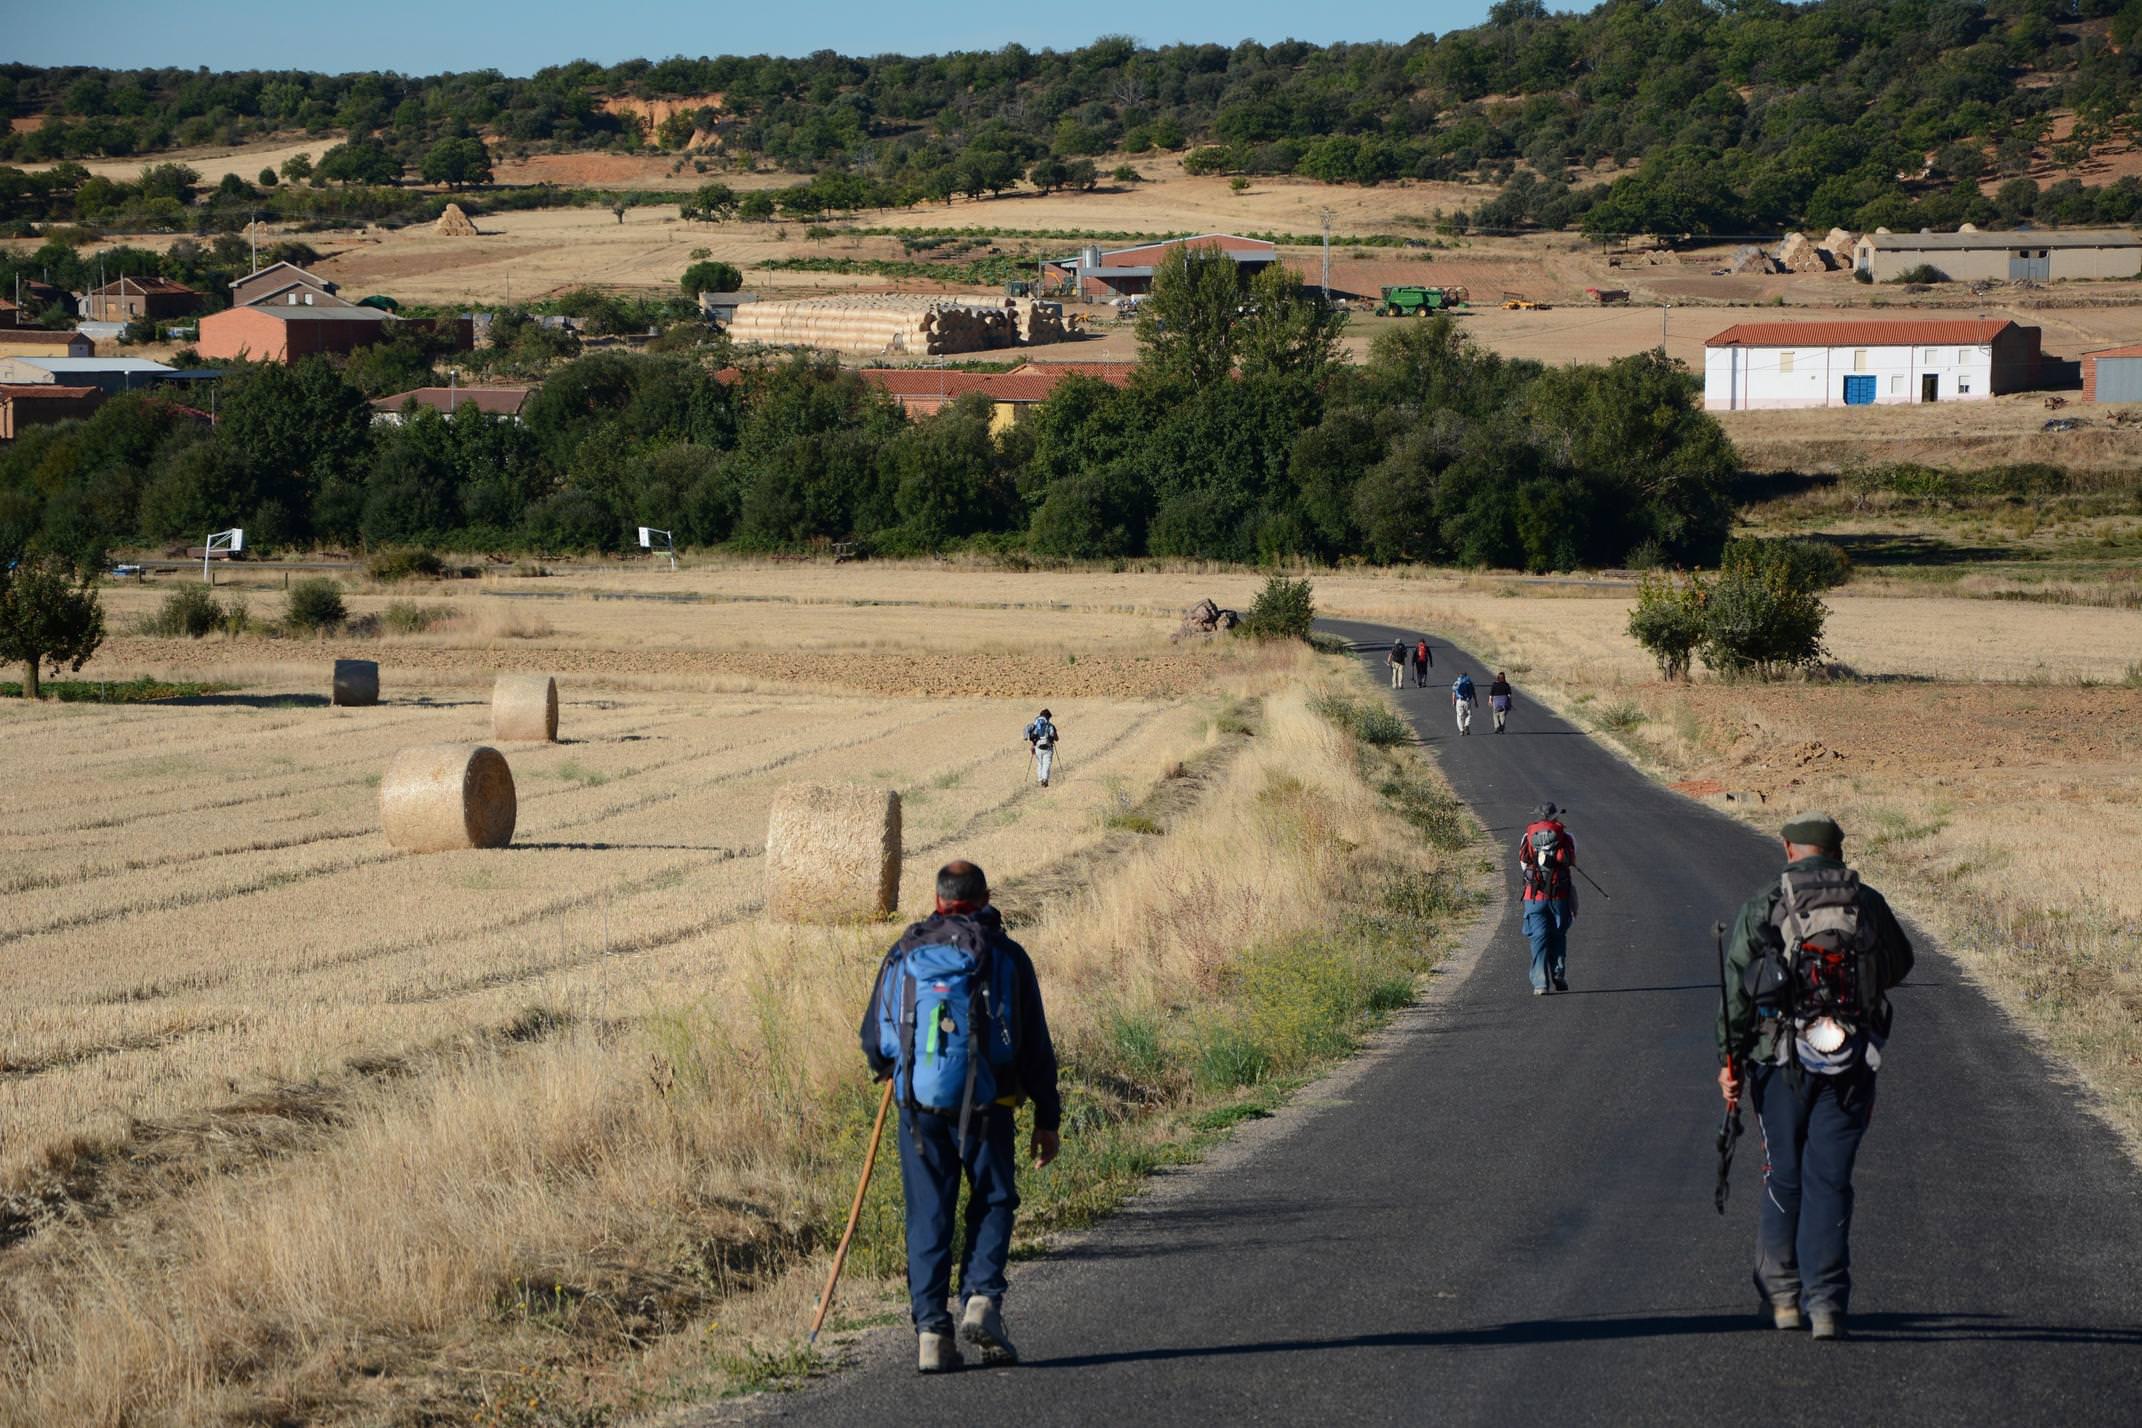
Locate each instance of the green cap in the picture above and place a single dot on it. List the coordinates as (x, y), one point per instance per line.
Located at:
(1816, 830)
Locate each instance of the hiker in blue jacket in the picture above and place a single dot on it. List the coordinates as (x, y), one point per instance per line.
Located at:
(1041, 744)
(1461, 700)
(959, 1090)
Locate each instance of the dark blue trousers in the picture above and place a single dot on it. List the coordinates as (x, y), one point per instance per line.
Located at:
(930, 1171)
(1810, 1137)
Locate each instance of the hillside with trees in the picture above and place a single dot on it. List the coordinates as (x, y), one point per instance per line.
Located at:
(1734, 116)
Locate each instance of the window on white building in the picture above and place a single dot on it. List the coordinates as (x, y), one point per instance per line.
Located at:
(1963, 386)
(1785, 363)
(1859, 359)
(1896, 384)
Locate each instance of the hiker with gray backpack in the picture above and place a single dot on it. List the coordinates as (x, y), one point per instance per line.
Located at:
(1041, 747)
(1804, 986)
(956, 1021)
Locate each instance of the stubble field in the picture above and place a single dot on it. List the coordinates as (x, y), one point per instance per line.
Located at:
(294, 1127)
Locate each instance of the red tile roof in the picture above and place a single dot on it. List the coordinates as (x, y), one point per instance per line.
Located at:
(120, 286)
(1116, 374)
(923, 382)
(1898, 332)
(491, 401)
(42, 389)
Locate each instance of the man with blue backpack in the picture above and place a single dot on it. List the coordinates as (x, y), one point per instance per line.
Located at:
(1461, 701)
(1041, 746)
(956, 1020)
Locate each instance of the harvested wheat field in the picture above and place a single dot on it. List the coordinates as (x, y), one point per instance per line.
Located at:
(299, 1127)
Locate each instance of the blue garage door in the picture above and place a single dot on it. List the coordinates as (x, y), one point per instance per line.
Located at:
(1859, 390)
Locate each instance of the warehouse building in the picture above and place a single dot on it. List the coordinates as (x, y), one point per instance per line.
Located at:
(1969, 256)
(2113, 374)
(1763, 365)
(110, 375)
(1105, 274)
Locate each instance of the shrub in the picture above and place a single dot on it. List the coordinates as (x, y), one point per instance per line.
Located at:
(1756, 622)
(403, 563)
(1284, 610)
(1668, 621)
(711, 276)
(315, 605)
(1923, 273)
(237, 617)
(406, 617)
(1371, 723)
(189, 611)
(1805, 564)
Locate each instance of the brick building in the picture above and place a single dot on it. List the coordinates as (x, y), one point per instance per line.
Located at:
(24, 405)
(278, 333)
(124, 299)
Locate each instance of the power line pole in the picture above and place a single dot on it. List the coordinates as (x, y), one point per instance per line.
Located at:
(1325, 214)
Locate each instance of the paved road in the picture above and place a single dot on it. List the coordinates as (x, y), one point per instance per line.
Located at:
(1505, 1217)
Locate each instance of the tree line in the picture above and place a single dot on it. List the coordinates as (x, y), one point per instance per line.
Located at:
(1243, 436)
(1739, 116)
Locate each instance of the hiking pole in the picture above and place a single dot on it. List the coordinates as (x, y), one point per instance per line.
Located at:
(855, 1213)
(1594, 882)
(1729, 1124)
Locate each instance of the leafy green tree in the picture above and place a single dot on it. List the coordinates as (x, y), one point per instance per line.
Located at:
(49, 615)
(714, 203)
(1287, 329)
(456, 163)
(711, 276)
(1668, 620)
(1186, 325)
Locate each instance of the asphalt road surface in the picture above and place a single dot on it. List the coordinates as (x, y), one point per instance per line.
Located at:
(1505, 1215)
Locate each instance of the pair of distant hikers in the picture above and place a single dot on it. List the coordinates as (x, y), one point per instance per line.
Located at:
(1422, 657)
(1464, 693)
(956, 1021)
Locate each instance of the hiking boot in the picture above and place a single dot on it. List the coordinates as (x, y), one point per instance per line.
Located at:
(1539, 991)
(1829, 1323)
(935, 1353)
(1785, 1316)
(1561, 984)
(983, 1327)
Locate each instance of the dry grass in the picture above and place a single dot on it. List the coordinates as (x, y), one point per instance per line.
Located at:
(1982, 778)
(538, 1196)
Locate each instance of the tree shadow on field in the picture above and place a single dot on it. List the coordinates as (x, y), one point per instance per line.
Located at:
(1894, 1327)
(1881, 550)
(247, 701)
(557, 846)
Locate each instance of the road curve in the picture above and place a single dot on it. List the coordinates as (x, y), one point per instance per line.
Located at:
(1505, 1216)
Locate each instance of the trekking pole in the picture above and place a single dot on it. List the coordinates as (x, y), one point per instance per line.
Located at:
(1594, 882)
(855, 1213)
(1729, 1124)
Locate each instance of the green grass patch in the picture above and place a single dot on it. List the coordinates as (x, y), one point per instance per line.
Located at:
(125, 691)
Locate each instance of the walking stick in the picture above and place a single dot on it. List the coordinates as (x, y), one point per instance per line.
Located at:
(1729, 1124)
(1594, 882)
(855, 1213)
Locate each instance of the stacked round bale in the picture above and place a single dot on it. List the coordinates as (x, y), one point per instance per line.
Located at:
(454, 223)
(832, 853)
(914, 324)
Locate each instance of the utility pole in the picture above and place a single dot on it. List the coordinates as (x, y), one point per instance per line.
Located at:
(1665, 310)
(1325, 214)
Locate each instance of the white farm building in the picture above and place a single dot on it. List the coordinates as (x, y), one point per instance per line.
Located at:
(1759, 365)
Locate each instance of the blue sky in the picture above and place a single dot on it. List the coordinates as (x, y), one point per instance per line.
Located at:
(428, 36)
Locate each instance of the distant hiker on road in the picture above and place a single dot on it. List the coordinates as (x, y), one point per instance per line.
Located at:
(1461, 700)
(1807, 971)
(956, 1020)
(1397, 661)
(1041, 746)
(1423, 661)
(1546, 856)
(1498, 701)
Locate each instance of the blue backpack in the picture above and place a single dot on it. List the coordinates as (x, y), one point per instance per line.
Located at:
(946, 1018)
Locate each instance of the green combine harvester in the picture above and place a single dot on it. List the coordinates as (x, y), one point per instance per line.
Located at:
(1411, 300)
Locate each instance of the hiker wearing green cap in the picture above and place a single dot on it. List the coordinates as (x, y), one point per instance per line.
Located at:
(1808, 968)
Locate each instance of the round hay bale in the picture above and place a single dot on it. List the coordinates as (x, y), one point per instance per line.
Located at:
(356, 682)
(439, 797)
(524, 707)
(832, 853)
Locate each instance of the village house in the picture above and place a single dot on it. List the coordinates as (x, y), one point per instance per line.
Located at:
(126, 299)
(24, 405)
(1758, 365)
